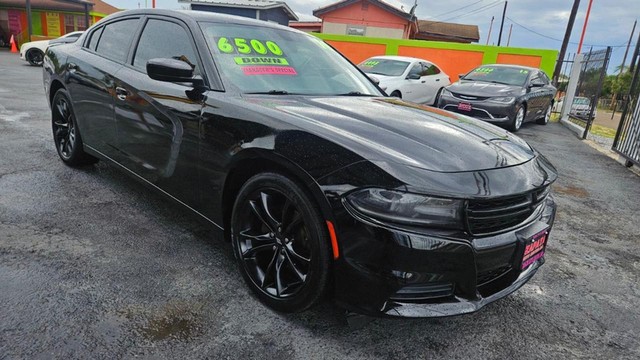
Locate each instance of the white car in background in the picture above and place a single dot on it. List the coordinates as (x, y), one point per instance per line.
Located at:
(408, 78)
(33, 51)
(580, 108)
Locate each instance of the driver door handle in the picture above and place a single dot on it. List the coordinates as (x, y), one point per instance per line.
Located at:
(424, 81)
(122, 93)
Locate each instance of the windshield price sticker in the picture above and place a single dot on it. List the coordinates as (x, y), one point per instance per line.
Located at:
(269, 70)
(248, 47)
(524, 72)
(484, 70)
(371, 63)
(261, 61)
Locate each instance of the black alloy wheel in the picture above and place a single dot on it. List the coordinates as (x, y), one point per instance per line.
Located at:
(280, 242)
(35, 57)
(66, 135)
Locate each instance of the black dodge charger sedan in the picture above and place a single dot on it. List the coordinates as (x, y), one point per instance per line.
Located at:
(505, 95)
(323, 185)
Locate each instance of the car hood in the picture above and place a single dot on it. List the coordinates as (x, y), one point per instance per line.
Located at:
(484, 89)
(391, 130)
(39, 43)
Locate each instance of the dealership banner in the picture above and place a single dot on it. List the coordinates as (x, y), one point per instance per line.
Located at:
(14, 22)
(53, 24)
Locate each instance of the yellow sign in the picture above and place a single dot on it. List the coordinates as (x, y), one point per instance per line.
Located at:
(53, 24)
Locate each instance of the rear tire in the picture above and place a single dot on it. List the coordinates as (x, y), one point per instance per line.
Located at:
(396, 94)
(35, 57)
(435, 99)
(547, 116)
(66, 135)
(281, 243)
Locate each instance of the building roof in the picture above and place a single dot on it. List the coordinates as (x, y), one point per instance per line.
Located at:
(247, 4)
(447, 31)
(63, 5)
(392, 9)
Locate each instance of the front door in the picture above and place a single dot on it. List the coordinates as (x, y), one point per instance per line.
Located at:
(158, 122)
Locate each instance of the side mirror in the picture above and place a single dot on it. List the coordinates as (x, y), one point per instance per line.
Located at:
(414, 77)
(169, 70)
(460, 76)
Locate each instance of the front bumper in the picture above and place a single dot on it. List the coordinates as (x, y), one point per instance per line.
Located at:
(493, 112)
(386, 271)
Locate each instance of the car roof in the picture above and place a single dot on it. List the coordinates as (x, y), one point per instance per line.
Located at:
(399, 58)
(202, 16)
(512, 66)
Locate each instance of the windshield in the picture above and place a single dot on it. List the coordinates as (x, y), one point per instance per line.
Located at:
(384, 67)
(499, 74)
(280, 62)
(581, 101)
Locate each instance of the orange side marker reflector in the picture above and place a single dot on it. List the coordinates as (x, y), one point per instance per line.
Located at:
(334, 240)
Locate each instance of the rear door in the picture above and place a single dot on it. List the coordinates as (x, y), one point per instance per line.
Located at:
(432, 79)
(414, 89)
(158, 122)
(92, 85)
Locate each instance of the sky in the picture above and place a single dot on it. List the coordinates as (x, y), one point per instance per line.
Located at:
(536, 23)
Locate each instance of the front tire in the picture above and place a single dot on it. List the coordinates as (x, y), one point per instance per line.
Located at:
(281, 243)
(518, 119)
(35, 57)
(66, 134)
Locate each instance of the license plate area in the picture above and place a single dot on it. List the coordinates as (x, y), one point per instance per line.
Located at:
(464, 107)
(534, 248)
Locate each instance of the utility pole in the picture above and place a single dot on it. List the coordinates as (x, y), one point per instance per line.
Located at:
(29, 25)
(504, 13)
(635, 55)
(510, 30)
(626, 52)
(584, 27)
(490, 27)
(565, 42)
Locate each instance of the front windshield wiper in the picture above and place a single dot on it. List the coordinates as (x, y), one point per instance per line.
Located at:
(356, 93)
(270, 92)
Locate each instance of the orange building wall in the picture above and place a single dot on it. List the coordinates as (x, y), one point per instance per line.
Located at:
(453, 62)
(373, 16)
(357, 53)
(526, 60)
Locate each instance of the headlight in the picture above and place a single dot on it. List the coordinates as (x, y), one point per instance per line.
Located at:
(446, 92)
(503, 100)
(405, 208)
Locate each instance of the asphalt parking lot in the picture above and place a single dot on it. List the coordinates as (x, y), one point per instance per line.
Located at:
(94, 265)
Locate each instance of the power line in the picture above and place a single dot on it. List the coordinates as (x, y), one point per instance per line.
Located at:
(552, 38)
(476, 11)
(458, 9)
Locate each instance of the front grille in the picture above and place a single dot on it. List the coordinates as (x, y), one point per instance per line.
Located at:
(475, 113)
(469, 97)
(421, 292)
(496, 215)
(488, 276)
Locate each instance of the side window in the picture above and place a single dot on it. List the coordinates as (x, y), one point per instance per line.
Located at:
(429, 69)
(116, 39)
(416, 70)
(545, 78)
(95, 36)
(164, 39)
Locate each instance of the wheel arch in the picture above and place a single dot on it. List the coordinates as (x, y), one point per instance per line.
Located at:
(53, 89)
(251, 163)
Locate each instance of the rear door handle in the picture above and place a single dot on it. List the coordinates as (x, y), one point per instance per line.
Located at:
(424, 81)
(121, 93)
(437, 79)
